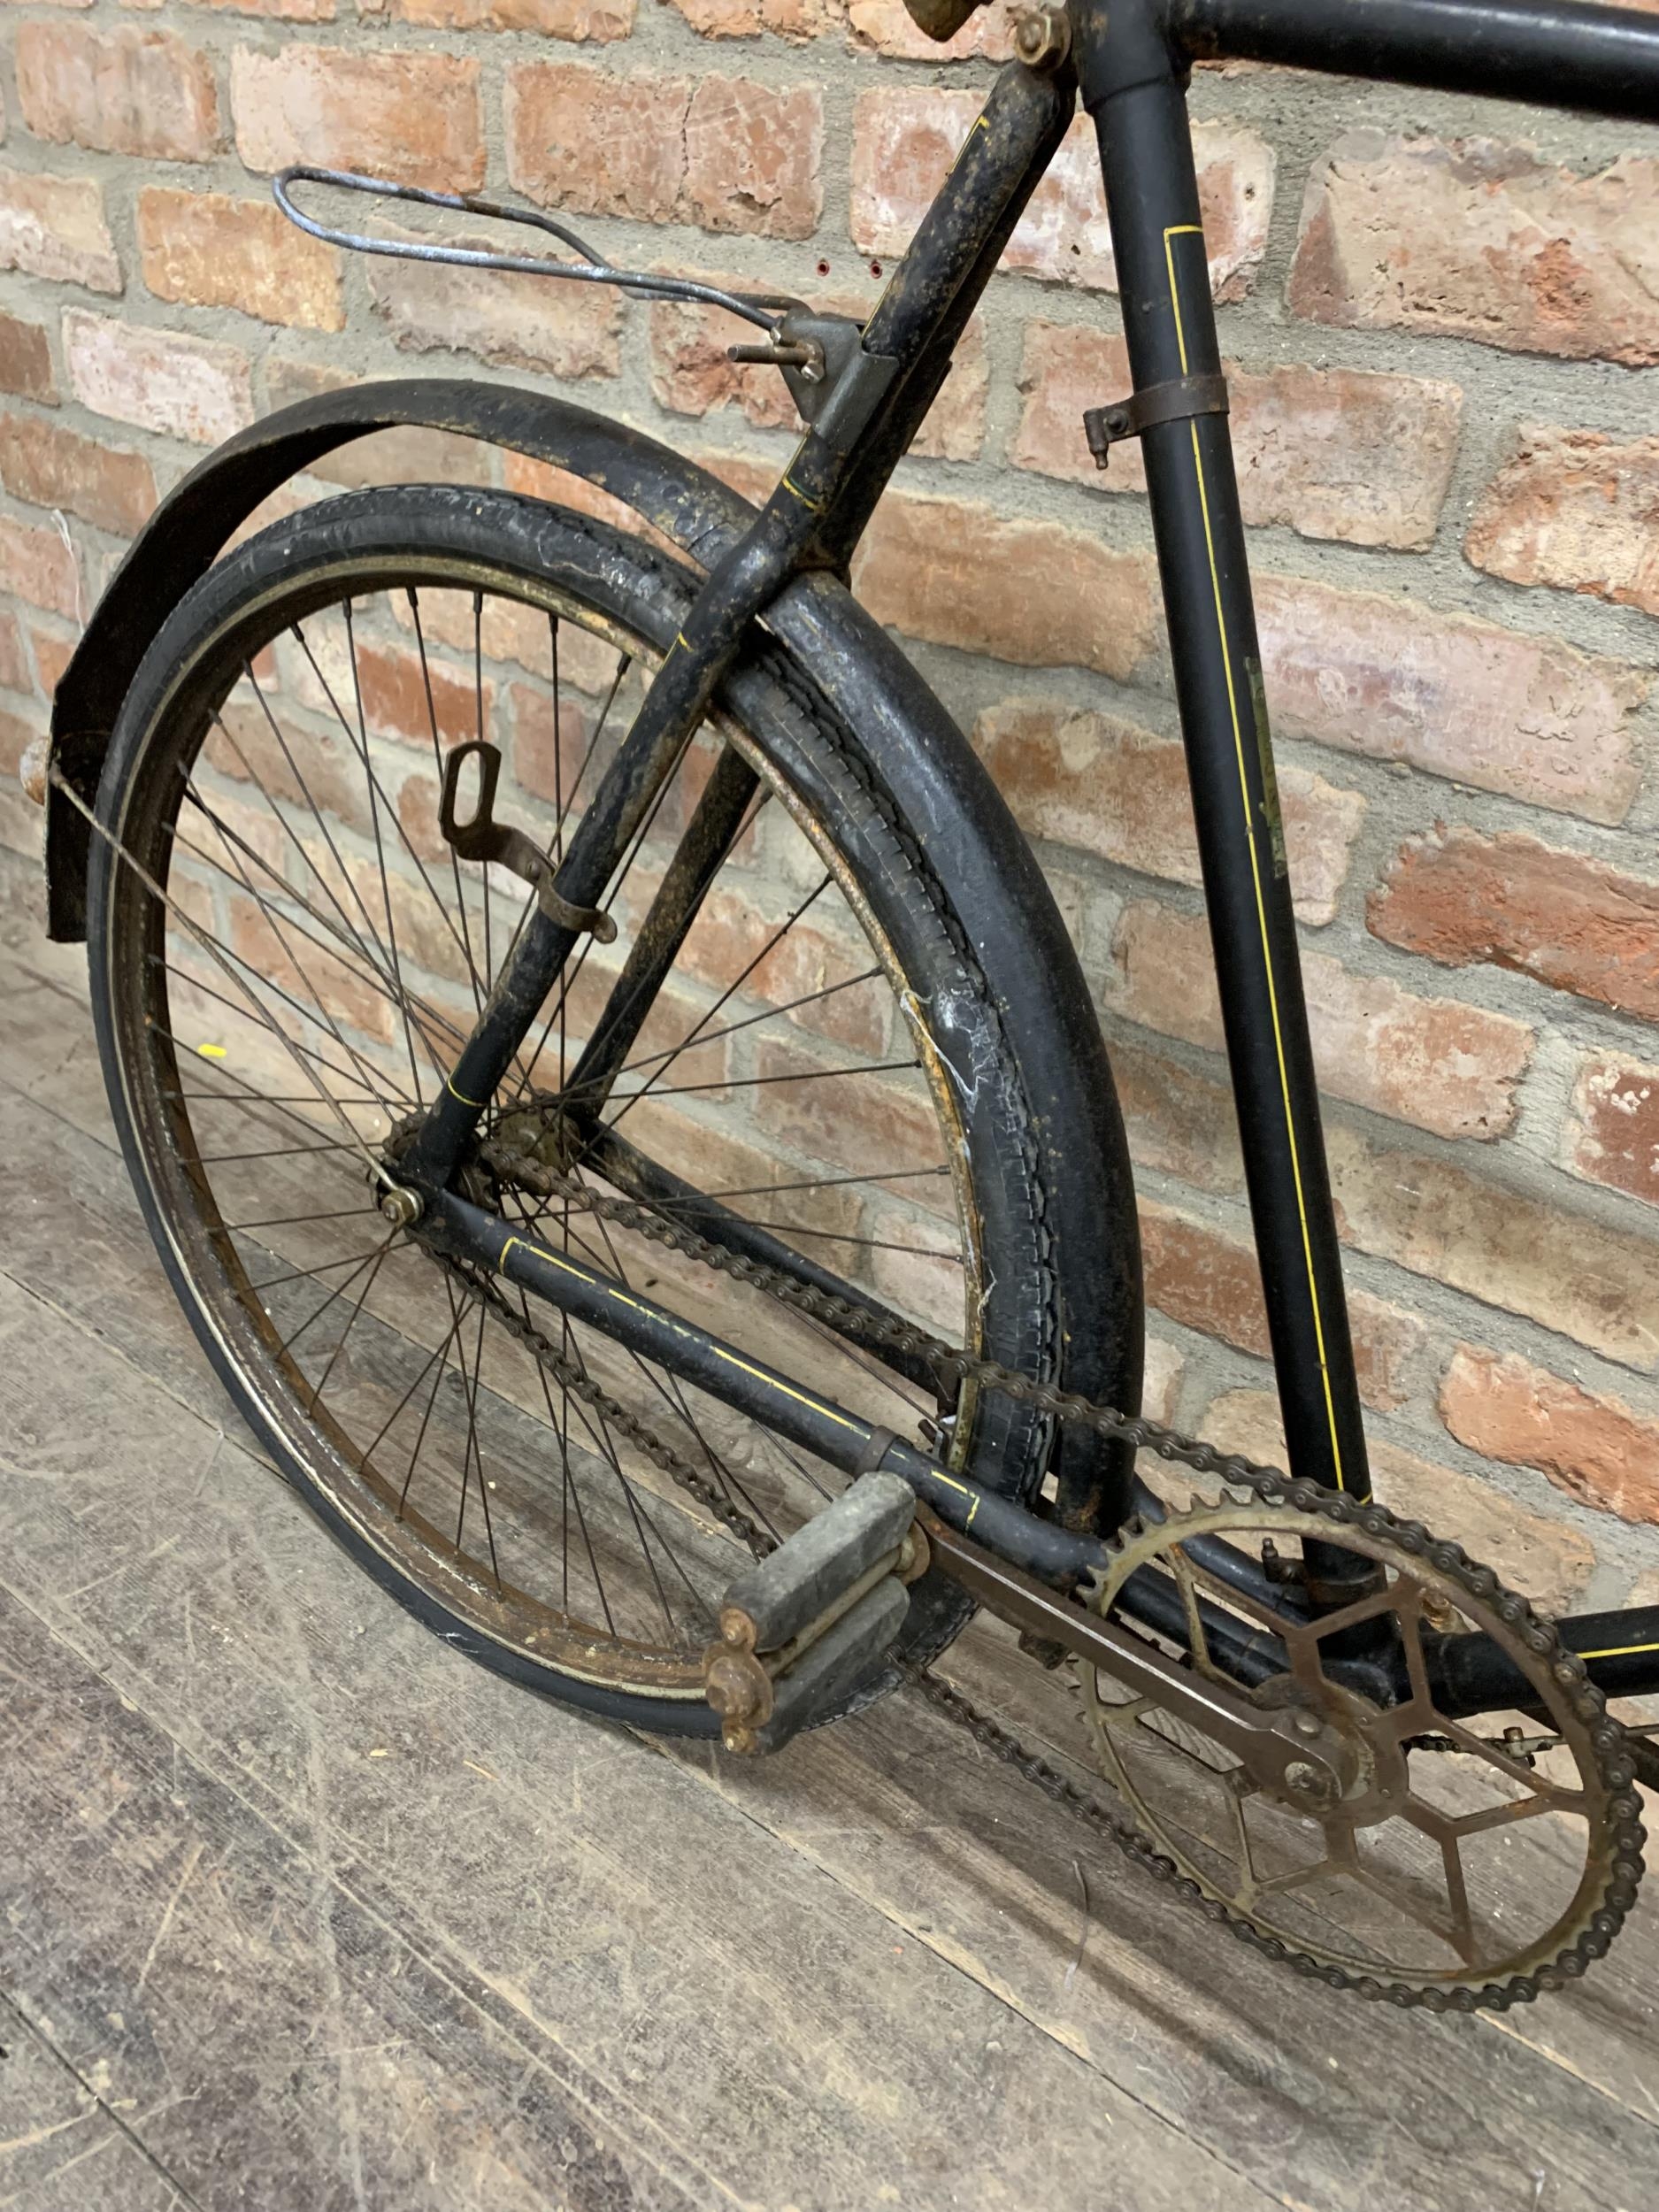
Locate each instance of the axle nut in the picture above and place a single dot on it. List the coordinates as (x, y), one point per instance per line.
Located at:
(1042, 38)
(401, 1208)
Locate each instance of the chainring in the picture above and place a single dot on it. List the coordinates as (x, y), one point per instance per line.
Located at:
(1437, 1566)
(1415, 1850)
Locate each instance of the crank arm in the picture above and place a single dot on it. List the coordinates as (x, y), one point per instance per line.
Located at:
(1268, 1744)
(1283, 1750)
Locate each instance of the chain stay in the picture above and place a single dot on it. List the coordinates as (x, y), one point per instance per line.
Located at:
(952, 1368)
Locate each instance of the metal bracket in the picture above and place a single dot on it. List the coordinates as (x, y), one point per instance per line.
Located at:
(836, 386)
(485, 839)
(1176, 401)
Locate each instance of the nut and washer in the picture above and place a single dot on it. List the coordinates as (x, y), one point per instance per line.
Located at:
(1042, 39)
(400, 1207)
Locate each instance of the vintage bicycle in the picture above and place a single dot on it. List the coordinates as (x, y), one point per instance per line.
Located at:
(614, 1095)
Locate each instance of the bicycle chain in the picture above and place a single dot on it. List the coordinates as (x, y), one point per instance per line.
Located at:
(1602, 1922)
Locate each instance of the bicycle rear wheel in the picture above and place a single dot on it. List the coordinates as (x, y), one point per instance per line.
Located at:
(286, 956)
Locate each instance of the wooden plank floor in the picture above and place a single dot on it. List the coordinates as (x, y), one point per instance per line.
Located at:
(302, 1911)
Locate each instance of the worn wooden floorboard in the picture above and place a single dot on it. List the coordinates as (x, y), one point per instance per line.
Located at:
(863, 1967)
(601, 1890)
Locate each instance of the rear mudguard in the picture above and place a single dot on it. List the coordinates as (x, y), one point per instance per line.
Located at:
(933, 775)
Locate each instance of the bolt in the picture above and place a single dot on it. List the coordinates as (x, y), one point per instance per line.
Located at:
(1306, 1781)
(401, 1207)
(1305, 1723)
(1043, 38)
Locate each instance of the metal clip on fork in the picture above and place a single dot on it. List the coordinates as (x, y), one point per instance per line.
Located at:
(485, 839)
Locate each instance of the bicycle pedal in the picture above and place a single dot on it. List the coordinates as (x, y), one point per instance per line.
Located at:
(810, 1621)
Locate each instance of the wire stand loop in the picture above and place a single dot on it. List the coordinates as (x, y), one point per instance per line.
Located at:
(765, 310)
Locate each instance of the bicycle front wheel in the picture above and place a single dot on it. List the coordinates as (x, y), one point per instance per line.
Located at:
(286, 956)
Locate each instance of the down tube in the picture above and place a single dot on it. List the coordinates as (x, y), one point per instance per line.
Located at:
(1152, 194)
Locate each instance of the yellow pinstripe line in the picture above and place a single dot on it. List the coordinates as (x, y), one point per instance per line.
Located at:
(1174, 231)
(1618, 1651)
(638, 1305)
(450, 1087)
(979, 124)
(799, 1396)
(815, 505)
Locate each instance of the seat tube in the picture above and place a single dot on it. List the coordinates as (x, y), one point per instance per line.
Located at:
(1133, 86)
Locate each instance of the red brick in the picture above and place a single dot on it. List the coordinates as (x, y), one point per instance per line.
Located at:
(411, 455)
(1509, 902)
(205, 250)
(190, 388)
(1519, 715)
(1579, 510)
(291, 962)
(1533, 1552)
(953, 428)
(53, 467)
(1109, 787)
(1595, 1449)
(905, 139)
(52, 656)
(596, 144)
(691, 375)
(1160, 1384)
(958, 574)
(1478, 240)
(754, 1179)
(415, 117)
(754, 155)
(15, 673)
(1210, 1282)
(25, 360)
(878, 1124)
(731, 933)
(520, 322)
(885, 27)
(277, 10)
(1505, 1247)
(39, 566)
(547, 758)
(17, 737)
(1612, 1135)
(55, 226)
(512, 631)
(394, 697)
(1445, 1067)
(332, 772)
(727, 154)
(589, 21)
(794, 20)
(146, 94)
(1332, 453)
(1179, 1123)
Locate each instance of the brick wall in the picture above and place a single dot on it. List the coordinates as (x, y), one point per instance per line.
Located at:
(1448, 418)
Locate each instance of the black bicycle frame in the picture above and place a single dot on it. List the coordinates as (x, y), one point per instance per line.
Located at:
(1129, 61)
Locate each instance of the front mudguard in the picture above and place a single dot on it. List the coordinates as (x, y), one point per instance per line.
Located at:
(192, 525)
(934, 778)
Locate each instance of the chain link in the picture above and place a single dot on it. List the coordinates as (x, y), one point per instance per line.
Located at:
(1601, 1920)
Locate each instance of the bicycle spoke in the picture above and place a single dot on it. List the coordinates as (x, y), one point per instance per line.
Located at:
(514, 1454)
